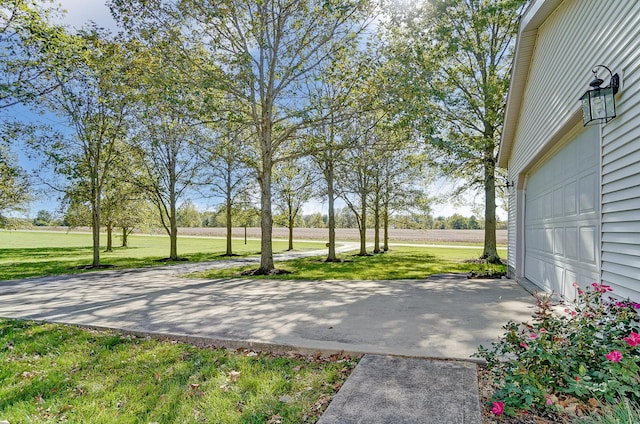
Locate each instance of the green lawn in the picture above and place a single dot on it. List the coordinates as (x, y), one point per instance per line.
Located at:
(399, 263)
(35, 253)
(56, 373)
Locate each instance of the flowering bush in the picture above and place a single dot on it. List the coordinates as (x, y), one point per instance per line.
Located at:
(588, 353)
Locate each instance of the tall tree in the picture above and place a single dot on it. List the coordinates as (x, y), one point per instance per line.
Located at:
(463, 48)
(267, 51)
(164, 141)
(226, 173)
(293, 186)
(92, 95)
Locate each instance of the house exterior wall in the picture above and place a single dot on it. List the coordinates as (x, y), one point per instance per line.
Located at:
(575, 37)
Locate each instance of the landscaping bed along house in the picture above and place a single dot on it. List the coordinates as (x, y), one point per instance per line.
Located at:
(576, 361)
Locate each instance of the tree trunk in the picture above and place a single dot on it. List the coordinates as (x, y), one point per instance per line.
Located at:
(490, 253)
(109, 237)
(290, 233)
(125, 236)
(376, 226)
(331, 221)
(173, 228)
(95, 230)
(385, 219)
(266, 218)
(95, 224)
(228, 221)
(363, 225)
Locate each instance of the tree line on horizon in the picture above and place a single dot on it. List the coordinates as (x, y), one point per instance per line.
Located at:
(262, 104)
(188, 216)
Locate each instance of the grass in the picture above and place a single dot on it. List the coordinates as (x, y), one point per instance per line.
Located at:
(56, 373)
(399, 263)
(621, 413)
(36, 253)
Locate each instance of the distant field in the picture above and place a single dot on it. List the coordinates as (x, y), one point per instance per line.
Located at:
(396, 235)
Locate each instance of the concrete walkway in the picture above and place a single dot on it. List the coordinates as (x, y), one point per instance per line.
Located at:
(444, 317)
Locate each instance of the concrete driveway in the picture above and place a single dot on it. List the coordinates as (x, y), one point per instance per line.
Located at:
(446, 316)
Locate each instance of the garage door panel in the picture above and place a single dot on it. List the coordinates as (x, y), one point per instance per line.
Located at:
(562, 217)
(570, 199)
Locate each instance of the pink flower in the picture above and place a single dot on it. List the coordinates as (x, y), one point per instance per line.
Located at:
(576, 285)
(524, 345)
(533, 336)
(549, 401)
(614, 356)
(602, 288)
(498, 408)
(543, 330)
(633, 339)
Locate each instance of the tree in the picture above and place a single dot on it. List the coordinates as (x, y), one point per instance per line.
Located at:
(267, 51)
(227, 175)
(14, 184)
(43, 218)
(92, 94)
(293, 187)
(164, 143)
(464, 47)
(26, 35)
(188, 215)
(356, 174)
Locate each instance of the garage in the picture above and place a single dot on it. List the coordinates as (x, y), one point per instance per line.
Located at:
(562, 215)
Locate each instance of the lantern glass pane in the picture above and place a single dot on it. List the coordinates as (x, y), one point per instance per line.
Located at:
(609, 103)
(598, 106)
(586, 109)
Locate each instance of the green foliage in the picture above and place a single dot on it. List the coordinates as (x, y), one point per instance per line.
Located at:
(56, 373)
(14, 184)
(587, 352)
(43, 218)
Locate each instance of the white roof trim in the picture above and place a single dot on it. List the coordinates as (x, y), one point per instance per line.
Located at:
(537, 12)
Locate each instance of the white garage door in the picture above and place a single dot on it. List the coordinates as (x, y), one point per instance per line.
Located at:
(562, 230)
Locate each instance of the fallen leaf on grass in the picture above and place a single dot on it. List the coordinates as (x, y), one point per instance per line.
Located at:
(285, 399)
(276, 419)
(234, 376)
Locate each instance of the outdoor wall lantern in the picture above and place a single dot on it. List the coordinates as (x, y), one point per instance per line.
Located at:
(598, 103)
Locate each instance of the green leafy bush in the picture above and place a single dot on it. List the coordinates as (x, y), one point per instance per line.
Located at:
(584, 353)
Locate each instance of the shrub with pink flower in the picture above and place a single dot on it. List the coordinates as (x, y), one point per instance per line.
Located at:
(614, 356)
(590, 352)
(633, 339)
(498, 408)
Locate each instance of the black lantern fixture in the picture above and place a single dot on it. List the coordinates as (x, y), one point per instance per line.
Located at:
(598, 103)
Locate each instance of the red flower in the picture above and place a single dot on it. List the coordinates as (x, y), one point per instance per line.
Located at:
(498, 408)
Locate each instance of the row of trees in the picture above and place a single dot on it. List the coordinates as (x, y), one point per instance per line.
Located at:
(260, 103)
(188, 216)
